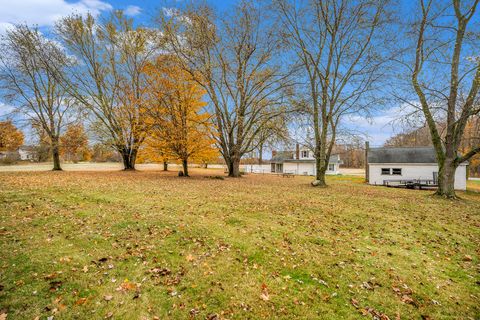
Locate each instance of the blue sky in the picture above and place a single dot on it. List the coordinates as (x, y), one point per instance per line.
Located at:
(44, 13)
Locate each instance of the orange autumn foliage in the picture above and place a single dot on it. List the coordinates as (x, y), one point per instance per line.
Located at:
(180, 128)
(10, 137)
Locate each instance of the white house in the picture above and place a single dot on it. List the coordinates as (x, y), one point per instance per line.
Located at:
(28, 153)
(407, 167)
(301, 161)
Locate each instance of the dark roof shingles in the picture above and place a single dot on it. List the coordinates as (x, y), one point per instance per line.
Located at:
(402, 155)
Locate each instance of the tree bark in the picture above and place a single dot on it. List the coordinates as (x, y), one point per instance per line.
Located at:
(129, 157)
(185, 168)
(446, 179)
(56, 155)
(234, 167)
(260, 154)
(165, 166)
(320, 173)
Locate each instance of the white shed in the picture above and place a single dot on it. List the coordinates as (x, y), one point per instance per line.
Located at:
(391, 166)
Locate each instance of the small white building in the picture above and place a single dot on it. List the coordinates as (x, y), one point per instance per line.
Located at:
(407, 166)
(301, 162)
(28, 153)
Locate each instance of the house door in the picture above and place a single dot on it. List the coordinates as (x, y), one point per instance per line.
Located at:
(279, 168)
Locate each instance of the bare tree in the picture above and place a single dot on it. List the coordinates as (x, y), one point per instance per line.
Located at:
(271, 134)
(107, 77)
(236, 59)
(445, 49)
(29, 83)
(338, 47)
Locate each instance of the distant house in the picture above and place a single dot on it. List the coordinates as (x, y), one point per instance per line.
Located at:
(24, 153)
(404, 166)
(28, 153)
(301, 161)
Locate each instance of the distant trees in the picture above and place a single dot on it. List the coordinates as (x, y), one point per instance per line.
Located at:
(411, 138)
(74, 142)
(340, 48)
(11, 138)
(236, 59)
(27, 80)
(421, 137)
(180, 128)
(445, 75)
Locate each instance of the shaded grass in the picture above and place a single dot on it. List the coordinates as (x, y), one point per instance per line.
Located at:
(70, 239)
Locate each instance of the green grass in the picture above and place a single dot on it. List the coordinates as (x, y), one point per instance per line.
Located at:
(249, 248)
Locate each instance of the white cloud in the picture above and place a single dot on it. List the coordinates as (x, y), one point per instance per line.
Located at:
(132, 10)
(45, 12)
(6, 110)
(170, 12)
(4, 26)
(383, 125)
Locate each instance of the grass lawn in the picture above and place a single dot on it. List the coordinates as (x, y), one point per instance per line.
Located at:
(150, 245)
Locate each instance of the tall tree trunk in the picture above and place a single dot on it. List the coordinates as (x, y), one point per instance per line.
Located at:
(165, 166)
(320, 159)
(129, 157)
(260, 154)
(446, 179)
(56, 154)
(234, 167)
(320, 170)
(185, 168)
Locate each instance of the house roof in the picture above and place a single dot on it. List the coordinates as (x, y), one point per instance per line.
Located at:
(402, 155)
(287, 156)
(27, 148)
(281, 156)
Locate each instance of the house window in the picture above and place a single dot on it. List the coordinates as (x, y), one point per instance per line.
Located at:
(397, 171)
(305, 154)
(331, 167)
(385, 171)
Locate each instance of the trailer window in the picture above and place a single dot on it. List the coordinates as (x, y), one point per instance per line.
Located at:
(385, 171)
(397, 171)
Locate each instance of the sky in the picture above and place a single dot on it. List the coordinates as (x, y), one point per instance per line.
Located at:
(44, 13)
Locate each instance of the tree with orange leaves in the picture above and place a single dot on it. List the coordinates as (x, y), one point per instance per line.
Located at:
(10, 137)
(74, 142)
(181, 129)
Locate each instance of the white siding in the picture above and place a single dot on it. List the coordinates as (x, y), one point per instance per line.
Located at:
(302, 168)
(414, 171)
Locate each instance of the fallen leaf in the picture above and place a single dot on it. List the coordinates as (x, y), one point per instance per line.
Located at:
(108, 298)
(354, 303)
(80, 301)
(264, 295)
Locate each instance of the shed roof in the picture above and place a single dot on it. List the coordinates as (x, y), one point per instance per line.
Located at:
(402, 155)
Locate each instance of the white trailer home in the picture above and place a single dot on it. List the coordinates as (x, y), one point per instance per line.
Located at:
(408, 167)
(301, 162)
